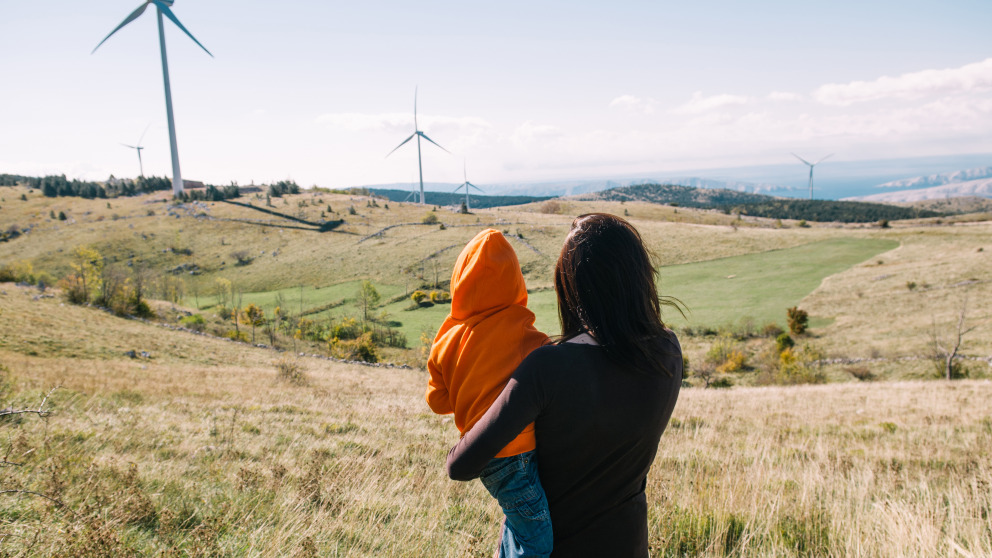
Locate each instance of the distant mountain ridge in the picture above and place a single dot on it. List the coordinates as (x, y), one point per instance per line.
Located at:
(940, 179)
(981, 188)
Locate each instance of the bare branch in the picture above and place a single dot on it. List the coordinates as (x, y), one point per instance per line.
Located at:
(40, 411)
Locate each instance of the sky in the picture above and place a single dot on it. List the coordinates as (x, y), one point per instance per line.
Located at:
(320, 92)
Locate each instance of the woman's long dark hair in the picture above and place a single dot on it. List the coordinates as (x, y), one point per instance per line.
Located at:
(605, 282)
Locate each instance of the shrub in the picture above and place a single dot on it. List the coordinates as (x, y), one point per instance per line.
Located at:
(430, 219)
(861, 373)
(721, 349)
(73, 291)
(911, 285)
(289, 370)
(721, 383)
(348, 328)
(418, 296)
(363, 348)
(798, 320)
(195, 322)
(772, 330)
(735, 362)
(551, 207)
(797, 367)
(141, 309)
(237, 335)
(17, 272)
(426, 342)
(439, 297)
(242, 257)
(883, 223)
(783, 342)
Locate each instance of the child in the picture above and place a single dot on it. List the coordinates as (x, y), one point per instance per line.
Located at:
(487, 334)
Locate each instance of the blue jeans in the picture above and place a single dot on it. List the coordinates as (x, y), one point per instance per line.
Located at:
(514, 482)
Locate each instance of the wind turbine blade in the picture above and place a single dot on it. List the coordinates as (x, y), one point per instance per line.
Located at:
(131, 146)
(134, 15)
(415, 128)
(476, 187)
(400, 145)
(168, 13)
(423, 135)
(459, 187)
(803, 160)
(823, 159)
(143, 133)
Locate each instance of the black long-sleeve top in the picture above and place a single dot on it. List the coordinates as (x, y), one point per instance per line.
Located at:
(598, 426)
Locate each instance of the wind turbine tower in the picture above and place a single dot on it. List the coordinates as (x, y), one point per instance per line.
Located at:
(162, 7)
(467, 185)
(417, 134)
(811, 165)
(138, 148)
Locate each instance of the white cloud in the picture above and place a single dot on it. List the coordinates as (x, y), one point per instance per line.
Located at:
(393, 122)
(968, 78)
(784, 96)
(699, 104)
(528, 132)
(633, 104)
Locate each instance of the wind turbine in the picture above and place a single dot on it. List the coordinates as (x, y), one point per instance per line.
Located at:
(418, 134)
(467, 185)
(162, 7)
(811, 165)
(138, 148)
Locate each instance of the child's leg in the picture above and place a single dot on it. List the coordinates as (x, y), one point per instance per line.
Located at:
(514, 482)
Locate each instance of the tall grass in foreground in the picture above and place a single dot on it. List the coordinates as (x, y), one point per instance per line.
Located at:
(189, 460)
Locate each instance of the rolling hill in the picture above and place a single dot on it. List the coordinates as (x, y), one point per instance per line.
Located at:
(757, 205)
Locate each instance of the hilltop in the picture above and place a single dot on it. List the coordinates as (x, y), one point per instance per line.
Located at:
(758, 205)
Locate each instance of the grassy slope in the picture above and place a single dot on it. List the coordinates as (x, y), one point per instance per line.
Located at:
(201, 451)
(869, 315)
(762, 286)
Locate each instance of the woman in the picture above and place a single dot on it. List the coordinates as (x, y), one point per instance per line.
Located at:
(600, 397)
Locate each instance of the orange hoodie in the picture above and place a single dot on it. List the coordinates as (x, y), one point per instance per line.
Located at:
(489, 331)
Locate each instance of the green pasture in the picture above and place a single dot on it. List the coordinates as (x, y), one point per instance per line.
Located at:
(716, 292)
(760, 286)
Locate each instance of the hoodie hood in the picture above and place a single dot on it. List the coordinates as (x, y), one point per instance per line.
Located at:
(486, 277)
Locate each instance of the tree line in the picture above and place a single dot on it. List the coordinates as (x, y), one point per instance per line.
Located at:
(54, 186)
(758, 205)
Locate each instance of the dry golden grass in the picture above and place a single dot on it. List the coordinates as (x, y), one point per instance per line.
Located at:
(888, 305)
(202, 450)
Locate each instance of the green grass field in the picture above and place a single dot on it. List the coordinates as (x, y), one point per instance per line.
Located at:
(718, 292)
(761, 286)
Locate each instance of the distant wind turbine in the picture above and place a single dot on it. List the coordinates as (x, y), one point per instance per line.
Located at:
(162, 7)
(467, 185)
(418, 134)
(811, 165)
(138, 148)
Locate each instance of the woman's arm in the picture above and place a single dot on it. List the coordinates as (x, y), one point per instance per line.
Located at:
(516, 407)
